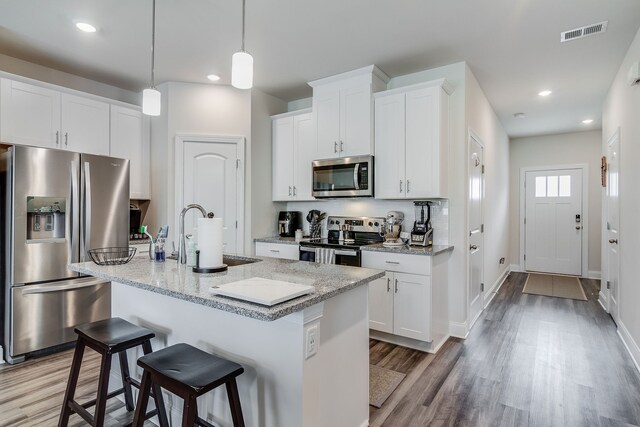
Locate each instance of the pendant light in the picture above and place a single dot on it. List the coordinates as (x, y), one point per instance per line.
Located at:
(151, 96)
(242, 63)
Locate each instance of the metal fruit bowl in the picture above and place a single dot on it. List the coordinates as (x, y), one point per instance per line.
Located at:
(112, 256)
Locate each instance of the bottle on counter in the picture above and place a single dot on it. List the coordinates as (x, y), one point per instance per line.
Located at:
(191, 250)
(160, 255)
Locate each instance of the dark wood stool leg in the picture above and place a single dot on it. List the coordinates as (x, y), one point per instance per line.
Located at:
(234, 403)
(143, 400)
(71, 384)
(126, 384)
(103, 390)
(189, 411)
(157, 393)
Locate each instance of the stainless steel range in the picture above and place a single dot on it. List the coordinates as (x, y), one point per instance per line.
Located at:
(346, 235)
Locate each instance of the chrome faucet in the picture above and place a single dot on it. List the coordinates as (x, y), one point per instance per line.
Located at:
(182, 248)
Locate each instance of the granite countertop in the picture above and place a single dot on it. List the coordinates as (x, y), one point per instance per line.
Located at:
(409, 250)
(180, 282)
(278, 239)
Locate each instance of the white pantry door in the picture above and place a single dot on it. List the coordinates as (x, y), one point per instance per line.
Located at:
(476, 229)
(553, 221)
(210, 179)
(613, 224)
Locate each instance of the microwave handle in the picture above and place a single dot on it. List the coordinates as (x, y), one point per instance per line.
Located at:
(356, 176)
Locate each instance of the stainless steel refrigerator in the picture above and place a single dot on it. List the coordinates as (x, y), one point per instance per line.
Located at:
(56, 205)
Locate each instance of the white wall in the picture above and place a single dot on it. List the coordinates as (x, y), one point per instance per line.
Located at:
(620, 110)
(195, 109)
(264, 211)
(30, 70)
(551, 150)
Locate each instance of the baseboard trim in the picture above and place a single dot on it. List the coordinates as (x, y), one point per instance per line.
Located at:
(629, 343)
(515, 268)
(458, 329)
(592, 274)
(603, 300)
(497, 285)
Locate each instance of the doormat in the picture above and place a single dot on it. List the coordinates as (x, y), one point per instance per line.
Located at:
(382, 382)
(554, 286)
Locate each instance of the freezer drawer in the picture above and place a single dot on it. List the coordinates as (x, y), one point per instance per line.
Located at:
(45, 314)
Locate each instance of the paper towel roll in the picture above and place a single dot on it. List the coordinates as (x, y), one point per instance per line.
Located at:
(210, 242)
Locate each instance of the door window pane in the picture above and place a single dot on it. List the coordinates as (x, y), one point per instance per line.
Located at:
(552, 186)
(541, 186)
(565, 186)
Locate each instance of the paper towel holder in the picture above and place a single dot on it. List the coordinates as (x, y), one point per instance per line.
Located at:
(198, 269)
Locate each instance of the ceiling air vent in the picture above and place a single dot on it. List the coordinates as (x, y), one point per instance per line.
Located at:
(589, 30)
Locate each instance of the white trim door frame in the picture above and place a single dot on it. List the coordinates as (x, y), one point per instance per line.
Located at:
(239, 141)
(585, 210)
(477, 292)
(611, 231)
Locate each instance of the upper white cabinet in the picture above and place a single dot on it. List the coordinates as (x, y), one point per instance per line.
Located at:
(294, 148)
(411, 141)
(130, 140)
(343, 112)
(43, 117)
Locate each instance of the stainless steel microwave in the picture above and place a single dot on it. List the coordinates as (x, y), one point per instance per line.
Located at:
(343, 177)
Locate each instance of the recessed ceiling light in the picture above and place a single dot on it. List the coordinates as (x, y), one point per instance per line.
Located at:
(587, 121)
(519, 115)
(544, 93)
(213, 77)
(87, 28)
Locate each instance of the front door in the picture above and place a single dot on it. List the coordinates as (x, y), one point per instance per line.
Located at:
(553, 221)
(210, 179)
(476, 229)
(613, 224)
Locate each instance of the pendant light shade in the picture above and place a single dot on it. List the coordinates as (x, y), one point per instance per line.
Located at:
(151, 102)
(242, 63)
(242, 70)
(151, 97)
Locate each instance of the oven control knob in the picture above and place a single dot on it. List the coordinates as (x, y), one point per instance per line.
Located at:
(376, 223)
(331, 222)
(337, 222)
(370, 224)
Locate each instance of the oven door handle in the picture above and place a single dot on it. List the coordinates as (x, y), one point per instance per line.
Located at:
(356, 176)
(338, 252)
(307, 249)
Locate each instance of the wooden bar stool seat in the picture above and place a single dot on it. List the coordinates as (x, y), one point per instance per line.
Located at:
(189, 373)
(108, 337)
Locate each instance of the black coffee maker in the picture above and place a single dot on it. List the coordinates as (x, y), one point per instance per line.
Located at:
(289, 222)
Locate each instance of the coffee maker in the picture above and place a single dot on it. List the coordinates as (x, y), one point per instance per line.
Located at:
(422, 232)
(289, 222)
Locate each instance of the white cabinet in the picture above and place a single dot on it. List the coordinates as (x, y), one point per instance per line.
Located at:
(411, 141)
(130, 140)
(410, 301)
(277, 250)
(43, 117)
(293, 152)
(343, 112)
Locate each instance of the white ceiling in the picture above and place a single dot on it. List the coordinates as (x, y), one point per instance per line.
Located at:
(512, 46)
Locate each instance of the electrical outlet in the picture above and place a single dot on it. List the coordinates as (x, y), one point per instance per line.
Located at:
(312, 341)
(502, 260)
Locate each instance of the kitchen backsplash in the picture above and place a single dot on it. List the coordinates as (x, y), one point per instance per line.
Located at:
(373, 207)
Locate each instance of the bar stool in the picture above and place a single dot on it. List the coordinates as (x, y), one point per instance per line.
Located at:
(188, 373)
(108, 337)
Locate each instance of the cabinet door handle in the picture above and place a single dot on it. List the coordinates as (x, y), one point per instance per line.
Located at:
(335, 146)
(57, 137)
(66, 139)
(388, 284)
(401, 186)
(392, 262)
(341, 146)
(294, 190)
(290, 190)
(408, 183)
(396, 286)
(274, 251)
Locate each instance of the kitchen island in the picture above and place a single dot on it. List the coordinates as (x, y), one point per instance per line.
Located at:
(284, 383)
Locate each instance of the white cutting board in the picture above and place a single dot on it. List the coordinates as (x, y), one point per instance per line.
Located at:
(262, 291)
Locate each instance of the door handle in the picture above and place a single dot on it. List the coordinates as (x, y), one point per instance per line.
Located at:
(393, 262)
(294, 190)
(578, 227)
(66, 139)
(29, 290)
(72, 223)
(335, 146)
(408, 183)
(401, 186)
(275, 251)
(613, 241)
(57, 137)
(290, 190)
(396, 286)
(87, 211)
(341, 146)
(388, 284)
(473, 247)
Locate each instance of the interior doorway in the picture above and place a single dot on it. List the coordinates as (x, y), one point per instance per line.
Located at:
(553, 236)
(209, 172)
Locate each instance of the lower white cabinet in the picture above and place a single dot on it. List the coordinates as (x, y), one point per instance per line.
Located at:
(399, 304)
(277, 250)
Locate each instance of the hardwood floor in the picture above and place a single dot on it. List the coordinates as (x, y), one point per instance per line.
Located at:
(529, 361)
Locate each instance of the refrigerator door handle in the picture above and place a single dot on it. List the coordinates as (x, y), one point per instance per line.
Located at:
(75, 214)
(87, 210)
(29, 290)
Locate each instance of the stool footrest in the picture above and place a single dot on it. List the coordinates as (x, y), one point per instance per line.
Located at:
(109, 396)
(203, 423)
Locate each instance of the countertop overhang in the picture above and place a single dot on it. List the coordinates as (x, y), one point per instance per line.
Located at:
(180, 282)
